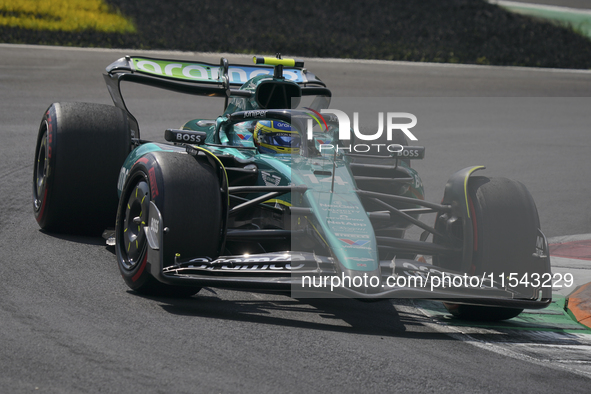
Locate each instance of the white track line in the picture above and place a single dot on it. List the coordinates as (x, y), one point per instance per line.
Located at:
(505, 349)
(544, 7)
(312, 59)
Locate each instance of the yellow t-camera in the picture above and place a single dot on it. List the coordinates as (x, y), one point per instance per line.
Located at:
(272, 61)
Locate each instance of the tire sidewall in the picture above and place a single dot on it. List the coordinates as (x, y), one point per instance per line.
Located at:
(42, 204)
(491, 226)
(86, 146)
(139, 275)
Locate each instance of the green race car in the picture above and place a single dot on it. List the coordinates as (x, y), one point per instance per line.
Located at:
(274, 195)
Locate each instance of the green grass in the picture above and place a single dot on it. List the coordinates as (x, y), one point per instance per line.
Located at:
(63, 15)
(578, 21)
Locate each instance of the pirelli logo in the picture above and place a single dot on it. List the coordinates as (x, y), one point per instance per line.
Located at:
(153, 184)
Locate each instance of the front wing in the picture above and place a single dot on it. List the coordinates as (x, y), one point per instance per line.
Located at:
(307, 275)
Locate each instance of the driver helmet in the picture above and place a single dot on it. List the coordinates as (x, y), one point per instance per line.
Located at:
(276, 137)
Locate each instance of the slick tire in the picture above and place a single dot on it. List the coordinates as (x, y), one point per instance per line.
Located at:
(506, 227)
(79, 152)
(186, 191)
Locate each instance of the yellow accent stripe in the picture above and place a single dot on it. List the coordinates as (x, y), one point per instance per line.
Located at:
(275, 200)
(466, 186)
(219, 161)
(318, 232)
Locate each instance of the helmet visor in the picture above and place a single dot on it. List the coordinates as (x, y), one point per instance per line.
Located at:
(285, 140)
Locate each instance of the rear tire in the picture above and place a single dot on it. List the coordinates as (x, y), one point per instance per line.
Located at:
(506, 224)
(186, 191)
(79, 152)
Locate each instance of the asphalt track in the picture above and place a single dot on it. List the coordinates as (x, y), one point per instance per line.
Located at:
(68, 323)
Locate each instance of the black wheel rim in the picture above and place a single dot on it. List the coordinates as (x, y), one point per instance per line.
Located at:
(41, 171)
(134, 221)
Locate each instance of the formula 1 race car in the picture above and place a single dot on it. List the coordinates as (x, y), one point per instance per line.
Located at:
(272, 196)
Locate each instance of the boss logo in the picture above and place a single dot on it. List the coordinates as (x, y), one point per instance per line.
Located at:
(154, 225)
(412, 151)
(185, 136)
(188, 138)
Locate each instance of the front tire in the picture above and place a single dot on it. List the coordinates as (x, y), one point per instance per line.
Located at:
(186, 191)
(506, 223)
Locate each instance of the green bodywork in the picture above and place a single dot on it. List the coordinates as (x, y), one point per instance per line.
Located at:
(337, 213)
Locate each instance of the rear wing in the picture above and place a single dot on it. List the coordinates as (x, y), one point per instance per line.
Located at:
(206, 73)
(197, 78)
